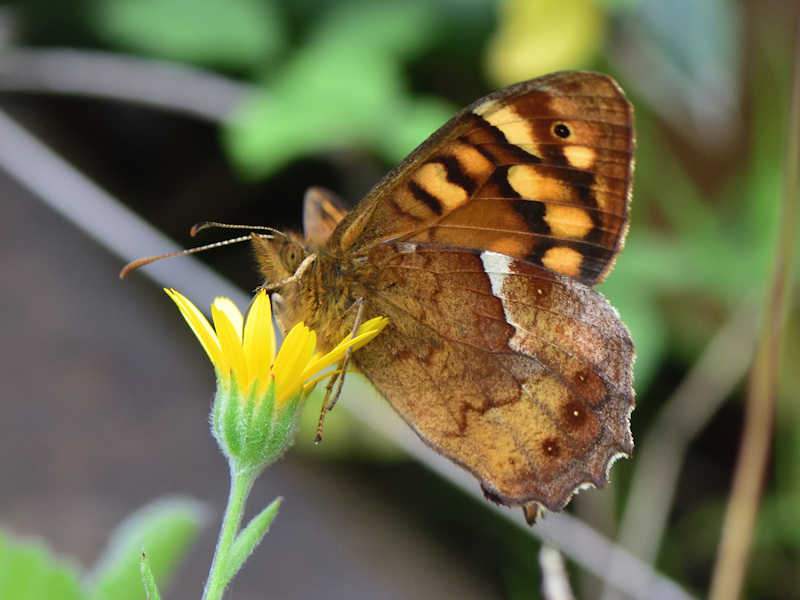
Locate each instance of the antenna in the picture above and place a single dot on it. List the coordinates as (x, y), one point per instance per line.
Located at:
(194, 231)
(209, 224)
(146, 261)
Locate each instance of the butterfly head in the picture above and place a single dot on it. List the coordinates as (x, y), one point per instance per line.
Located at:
(282, 260)
(279, 257)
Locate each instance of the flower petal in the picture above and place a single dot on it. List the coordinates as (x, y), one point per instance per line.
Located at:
(293, 356)
(368, 331)
(273, 342)
(259, 338)
(231, 311)
(231, 345)
(201, 328)
(311, 383)
(365, 334)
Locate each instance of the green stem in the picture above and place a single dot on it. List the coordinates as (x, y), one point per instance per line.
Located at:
(218, 577)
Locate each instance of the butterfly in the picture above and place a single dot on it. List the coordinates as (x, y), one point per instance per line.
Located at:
(482, 248)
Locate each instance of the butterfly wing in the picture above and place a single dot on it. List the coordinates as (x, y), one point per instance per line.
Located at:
(322, 212)
(540, 171)
(523, 377)
(481, 248)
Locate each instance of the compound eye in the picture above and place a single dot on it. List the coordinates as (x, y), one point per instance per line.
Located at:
(292, 254)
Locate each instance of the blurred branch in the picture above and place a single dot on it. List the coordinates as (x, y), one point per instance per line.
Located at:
(555, 582)
(157, 84)
(95, 212)
(742, 512)
(719, 370)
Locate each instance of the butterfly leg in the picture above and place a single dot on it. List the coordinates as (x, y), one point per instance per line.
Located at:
(328, 391)
(331, 398)
(347, 354)
(302, 268)
(533, 512)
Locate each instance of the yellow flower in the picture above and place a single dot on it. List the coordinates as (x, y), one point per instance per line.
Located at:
(535, 37)
(246, 351)
(260, 391)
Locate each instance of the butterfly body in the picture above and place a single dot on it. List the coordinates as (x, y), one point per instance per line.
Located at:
(481, 249)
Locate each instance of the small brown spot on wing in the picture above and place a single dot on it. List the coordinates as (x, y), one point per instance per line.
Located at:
(551, 447)
(574, 416)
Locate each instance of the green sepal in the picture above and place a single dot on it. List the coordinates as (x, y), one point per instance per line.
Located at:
(260, 430)
(225, 416)
(253, 431)
(284, 428)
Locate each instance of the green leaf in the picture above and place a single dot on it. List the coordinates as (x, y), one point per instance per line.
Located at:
(28, 571)
(305, 109)
(343, 89)
(250, 537)
(234, 34)
(164, 529)
(401, 29)
(415, 119)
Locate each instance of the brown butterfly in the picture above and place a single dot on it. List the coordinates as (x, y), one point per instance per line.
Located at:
(482, 248)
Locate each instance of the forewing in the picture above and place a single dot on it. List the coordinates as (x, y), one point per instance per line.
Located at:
(540, 171)
(322, 212)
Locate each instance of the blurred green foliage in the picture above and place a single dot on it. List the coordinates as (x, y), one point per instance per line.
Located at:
(222, 34)
(342, 87)
(27, 570)
(164, 529)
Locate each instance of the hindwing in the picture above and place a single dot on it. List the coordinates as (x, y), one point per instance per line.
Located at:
(518, 374)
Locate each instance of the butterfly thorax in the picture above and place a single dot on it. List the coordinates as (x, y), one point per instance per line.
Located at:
(332, 287)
